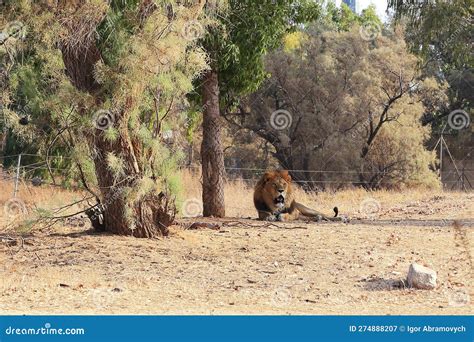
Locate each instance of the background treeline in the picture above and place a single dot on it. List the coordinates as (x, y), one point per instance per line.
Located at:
(368, 111)
(117, 95)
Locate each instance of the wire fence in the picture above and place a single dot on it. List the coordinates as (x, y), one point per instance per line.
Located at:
(24, 172)
(27, 174)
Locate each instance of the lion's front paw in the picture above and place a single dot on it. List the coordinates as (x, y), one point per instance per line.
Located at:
(274, 218)
(271, 218)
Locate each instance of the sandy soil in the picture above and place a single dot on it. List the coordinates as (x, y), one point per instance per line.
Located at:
(248, 267)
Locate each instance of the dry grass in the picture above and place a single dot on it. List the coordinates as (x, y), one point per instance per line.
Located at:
(247, 268)
(355, 202)
(14, 210)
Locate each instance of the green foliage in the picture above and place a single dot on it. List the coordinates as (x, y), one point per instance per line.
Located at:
(43, 213)
(33, 89)
(144, 71)
(441, 29)
(25, 227)
(111, 134)
(116, 165)
(193, 121)
(294, 40)
(174, 184)
(344, 19)
(142, 188)
(116, 29)
(242, 35)
(441, 33)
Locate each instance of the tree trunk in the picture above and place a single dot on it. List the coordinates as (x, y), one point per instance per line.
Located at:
(212, 155)
(147, 216)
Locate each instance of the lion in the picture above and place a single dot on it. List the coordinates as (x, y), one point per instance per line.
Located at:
(275, 201)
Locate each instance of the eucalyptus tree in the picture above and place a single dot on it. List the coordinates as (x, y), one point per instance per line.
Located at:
(441, 32)
(242, 34)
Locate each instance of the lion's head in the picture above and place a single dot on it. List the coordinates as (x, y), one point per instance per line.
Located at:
(275, 189)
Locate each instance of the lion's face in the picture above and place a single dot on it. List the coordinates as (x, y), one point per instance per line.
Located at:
(278, 189)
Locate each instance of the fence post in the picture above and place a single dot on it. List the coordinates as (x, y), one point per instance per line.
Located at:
(441, 140)
(17, 178)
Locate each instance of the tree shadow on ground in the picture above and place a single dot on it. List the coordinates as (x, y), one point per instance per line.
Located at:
(384, 284)
(78, 234)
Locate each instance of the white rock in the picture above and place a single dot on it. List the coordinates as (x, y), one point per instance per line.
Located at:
(421, 277)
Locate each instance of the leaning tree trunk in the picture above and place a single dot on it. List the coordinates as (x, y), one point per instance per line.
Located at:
(212, 154)
(147, 216)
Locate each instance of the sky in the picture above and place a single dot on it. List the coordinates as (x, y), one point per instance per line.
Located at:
(380, 5)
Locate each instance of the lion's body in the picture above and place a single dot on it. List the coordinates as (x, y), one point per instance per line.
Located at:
(274, 200)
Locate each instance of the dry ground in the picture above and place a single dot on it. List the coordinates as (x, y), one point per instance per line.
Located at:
(248, 267)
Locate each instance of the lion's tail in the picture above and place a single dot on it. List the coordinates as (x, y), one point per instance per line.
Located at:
(313, 213)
